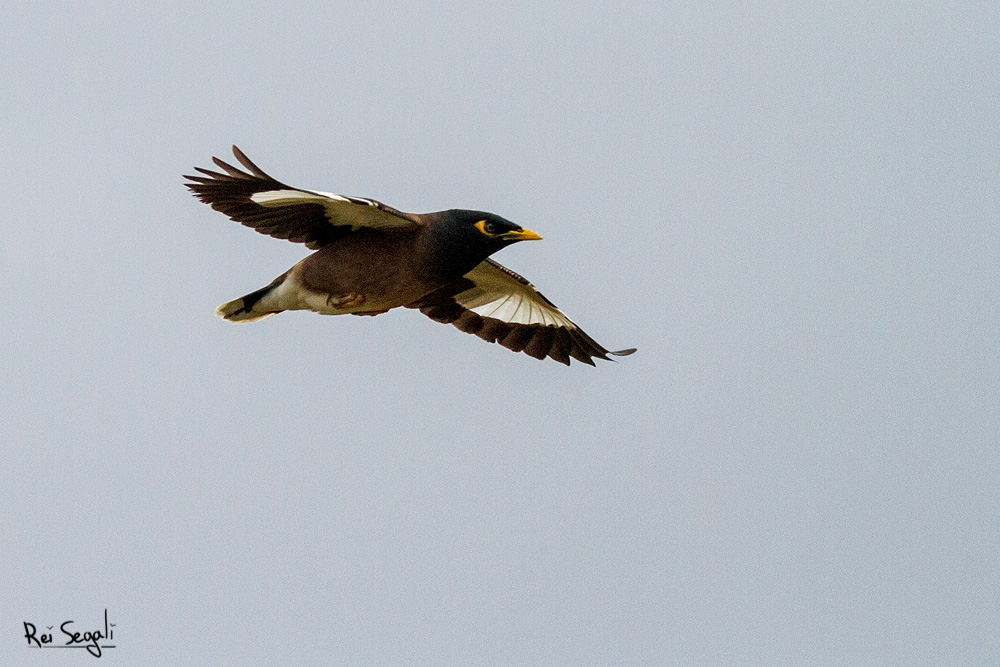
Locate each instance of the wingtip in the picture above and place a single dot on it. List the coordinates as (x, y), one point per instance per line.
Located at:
(246, 162)
(624, 353)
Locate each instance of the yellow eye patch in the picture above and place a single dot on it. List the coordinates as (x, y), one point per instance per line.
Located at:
(490, 229)
(481, 226)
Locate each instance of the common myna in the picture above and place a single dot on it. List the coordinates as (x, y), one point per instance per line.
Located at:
(370, 258)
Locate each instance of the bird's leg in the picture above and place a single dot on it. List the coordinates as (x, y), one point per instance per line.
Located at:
(351, 300)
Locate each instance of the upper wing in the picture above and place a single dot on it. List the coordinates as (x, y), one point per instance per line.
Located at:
(304, 216)
(500, 306)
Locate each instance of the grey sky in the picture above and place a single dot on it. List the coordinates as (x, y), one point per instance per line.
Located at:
(790, 209)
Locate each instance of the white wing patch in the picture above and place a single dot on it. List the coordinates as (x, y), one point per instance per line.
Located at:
(286, 197)
(358, 212)
(503, 297)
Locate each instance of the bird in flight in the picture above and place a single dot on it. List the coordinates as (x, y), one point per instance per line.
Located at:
(371, 258)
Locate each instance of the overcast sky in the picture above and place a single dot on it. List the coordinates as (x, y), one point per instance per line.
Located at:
(790, 208)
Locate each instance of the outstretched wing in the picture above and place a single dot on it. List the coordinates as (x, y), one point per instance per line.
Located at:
(500, 306)
(304, 216)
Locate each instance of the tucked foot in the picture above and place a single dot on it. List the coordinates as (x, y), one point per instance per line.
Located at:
(351, 300)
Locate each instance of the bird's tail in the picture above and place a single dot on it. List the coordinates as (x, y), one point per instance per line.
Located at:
(250, 307)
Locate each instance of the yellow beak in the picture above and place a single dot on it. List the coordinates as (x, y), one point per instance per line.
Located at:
(523, 235)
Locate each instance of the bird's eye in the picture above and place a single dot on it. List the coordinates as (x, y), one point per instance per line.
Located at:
(490, 228)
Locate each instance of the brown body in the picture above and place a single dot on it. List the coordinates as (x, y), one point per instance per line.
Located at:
(366, 272)
(371, 258)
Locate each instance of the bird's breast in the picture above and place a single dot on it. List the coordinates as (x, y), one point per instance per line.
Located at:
(382, 267)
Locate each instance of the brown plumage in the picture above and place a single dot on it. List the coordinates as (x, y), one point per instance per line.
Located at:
(371, 258)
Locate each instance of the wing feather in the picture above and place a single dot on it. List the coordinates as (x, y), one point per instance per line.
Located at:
(499, 306)
(270, 207)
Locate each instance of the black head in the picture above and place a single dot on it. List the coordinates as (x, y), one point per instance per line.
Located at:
(463, 239)
(489, 227)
